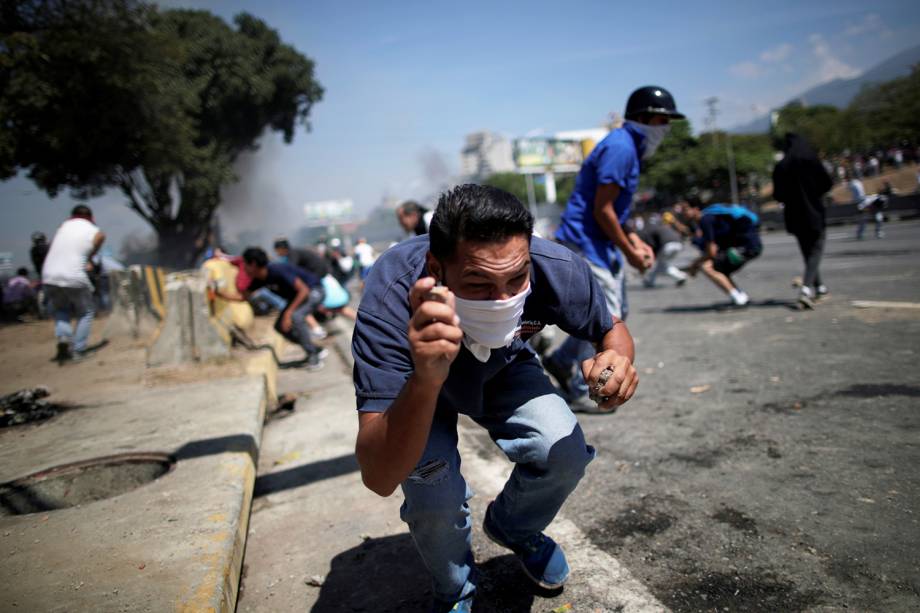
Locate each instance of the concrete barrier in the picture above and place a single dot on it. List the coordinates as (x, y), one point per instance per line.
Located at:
(188, 333)
(901, 206)
(132, 314)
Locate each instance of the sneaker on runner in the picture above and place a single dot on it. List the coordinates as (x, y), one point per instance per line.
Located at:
(318, 332)
(740, 299)
(806, 301)
(541, 558)
(63, 352)
(313, 362)
(323, 353)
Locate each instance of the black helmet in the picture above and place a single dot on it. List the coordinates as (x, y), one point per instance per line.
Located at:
(39, 237)
(651, 99)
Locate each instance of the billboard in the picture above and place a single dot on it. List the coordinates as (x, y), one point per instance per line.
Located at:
(541, 154)
(328, 212)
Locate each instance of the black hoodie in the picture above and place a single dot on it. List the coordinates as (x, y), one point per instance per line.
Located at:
(799, 182)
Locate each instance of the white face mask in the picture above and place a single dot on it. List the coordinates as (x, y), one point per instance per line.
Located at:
(653, 136)
(490, 324)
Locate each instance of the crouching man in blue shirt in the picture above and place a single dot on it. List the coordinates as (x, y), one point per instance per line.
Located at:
(442, 330)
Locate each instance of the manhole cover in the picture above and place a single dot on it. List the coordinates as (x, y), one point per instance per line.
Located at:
(81, 482)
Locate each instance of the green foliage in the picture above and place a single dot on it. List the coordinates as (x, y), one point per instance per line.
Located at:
(879, 116)
(890, 112)
(113, 93)
(565, 185)
(684, 163)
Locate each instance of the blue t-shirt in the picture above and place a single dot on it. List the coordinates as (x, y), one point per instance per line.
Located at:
(727, 227)
(281, 278)
(563, 292)
(615, 159)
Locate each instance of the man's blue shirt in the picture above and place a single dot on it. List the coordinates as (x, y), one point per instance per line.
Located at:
(564, 293)
(281, 280)
(616, 159)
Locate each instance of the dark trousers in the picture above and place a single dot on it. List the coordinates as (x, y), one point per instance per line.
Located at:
(812, 246)
(300, 331)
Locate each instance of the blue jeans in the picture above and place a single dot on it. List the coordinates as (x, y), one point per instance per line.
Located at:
(572, 352)
(535, 429)
(68, 303)
(299, 333)
(870, 213)
(267, 297)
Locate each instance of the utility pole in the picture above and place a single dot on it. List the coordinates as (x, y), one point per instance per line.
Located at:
(710, 122)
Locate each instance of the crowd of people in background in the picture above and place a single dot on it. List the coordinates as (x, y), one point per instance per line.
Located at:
(305, 285)
(726, 236)
(861, 165)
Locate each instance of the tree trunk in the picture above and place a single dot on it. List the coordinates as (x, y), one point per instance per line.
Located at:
(179, 246)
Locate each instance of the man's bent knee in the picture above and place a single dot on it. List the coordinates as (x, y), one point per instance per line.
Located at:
(568, 457)
(433, 490)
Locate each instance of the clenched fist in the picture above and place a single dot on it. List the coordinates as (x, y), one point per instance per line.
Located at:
(434, 331)
(616, 386)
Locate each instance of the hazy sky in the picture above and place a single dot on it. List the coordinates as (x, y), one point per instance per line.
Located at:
(405, 81)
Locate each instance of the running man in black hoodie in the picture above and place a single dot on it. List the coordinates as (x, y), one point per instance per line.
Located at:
(800, 182)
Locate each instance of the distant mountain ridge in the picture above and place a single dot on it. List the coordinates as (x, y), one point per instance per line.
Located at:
(840, 92)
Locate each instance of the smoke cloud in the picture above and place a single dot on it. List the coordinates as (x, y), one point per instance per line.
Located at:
(254, 210)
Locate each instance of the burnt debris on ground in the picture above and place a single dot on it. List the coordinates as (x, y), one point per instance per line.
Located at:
(27, 406)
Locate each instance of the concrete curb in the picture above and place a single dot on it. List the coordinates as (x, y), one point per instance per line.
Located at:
(175, 543)
(263, 364)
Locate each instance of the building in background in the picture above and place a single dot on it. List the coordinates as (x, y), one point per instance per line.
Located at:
(484, 154)
(487, 153)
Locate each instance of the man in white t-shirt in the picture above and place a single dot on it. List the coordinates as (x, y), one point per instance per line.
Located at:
(364, 253)
(67, 284)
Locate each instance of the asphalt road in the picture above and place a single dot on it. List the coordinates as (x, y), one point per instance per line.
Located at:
(769, 461)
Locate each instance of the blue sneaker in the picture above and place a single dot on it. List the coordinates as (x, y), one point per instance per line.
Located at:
(541, 558)
(461, 606)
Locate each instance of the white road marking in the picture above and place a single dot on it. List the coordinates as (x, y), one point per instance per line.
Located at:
(608, 581)
(882, 304)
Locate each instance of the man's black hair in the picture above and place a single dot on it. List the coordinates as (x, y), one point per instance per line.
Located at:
(81, 210)
(411, 206)
(695, 202)
(255, 255)
(282, 243)
(478, 213)
(22, 272)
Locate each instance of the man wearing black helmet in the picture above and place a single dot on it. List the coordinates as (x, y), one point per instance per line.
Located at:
(593, 224)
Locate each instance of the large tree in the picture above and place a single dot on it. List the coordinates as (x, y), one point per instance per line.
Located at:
(686, 163)
(96, 94)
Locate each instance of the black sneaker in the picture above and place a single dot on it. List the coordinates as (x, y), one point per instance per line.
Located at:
(63, 353)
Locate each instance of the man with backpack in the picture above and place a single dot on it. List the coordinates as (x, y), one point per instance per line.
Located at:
(728, 236)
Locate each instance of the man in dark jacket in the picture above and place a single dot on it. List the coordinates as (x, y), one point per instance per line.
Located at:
(800, 182)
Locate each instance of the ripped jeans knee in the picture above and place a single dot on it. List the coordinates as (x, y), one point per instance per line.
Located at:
(430, 472)
(434, 491)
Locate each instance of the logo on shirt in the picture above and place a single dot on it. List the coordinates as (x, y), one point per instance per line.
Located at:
(529, 327)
